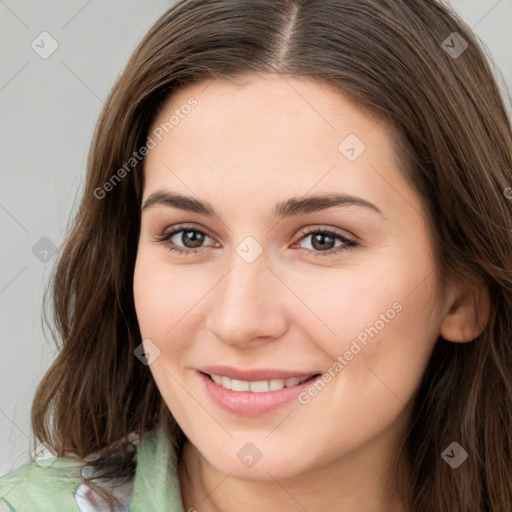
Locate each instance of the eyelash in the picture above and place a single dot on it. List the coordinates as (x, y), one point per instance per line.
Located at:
(349, 243)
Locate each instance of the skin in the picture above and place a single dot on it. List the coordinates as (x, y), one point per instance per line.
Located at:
(243, 148)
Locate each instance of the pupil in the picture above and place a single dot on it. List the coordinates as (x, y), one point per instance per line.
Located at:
(321, 245)
(194, 237)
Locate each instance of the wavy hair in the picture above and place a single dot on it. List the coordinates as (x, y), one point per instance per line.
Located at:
(454, 142)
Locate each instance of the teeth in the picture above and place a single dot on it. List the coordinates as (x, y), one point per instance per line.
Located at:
(276, 384)
(260, 386)
(226, 382)
(238, 385)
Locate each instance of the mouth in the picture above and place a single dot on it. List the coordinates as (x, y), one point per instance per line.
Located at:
(258, 386)
(254, 397)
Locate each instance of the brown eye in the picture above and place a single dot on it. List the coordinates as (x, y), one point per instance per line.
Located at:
(323, 241)
(184, 239)
(191, 239)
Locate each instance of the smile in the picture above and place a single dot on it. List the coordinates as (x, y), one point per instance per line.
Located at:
(263, 393)
(258, 386)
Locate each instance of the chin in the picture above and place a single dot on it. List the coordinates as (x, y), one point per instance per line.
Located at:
(244, 460)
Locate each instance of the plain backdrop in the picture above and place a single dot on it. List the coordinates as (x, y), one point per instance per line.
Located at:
(48, 110)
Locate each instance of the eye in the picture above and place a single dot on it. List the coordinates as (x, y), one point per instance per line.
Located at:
(323, 239)
(191, 237)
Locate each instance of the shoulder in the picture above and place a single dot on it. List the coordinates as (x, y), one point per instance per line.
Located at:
(54, 485)
(43, 485)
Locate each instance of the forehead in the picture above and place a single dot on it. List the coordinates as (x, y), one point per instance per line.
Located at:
(265, 135)
(270, 96)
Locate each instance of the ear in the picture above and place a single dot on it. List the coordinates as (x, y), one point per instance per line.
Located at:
(467, 314)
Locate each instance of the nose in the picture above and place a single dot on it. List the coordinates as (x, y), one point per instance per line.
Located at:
(249, 305)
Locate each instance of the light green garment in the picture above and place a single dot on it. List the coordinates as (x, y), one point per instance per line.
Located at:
(36, 488)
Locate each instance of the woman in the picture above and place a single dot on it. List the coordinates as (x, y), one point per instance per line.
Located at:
(288, 285)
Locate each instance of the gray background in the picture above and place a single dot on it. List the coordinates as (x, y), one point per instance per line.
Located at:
(48, 110)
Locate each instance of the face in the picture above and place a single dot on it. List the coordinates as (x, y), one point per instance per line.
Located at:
(268, 282)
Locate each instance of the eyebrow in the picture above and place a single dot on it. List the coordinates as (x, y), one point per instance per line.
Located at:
(289, 208)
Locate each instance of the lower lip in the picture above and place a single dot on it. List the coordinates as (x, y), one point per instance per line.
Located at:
(246, 403)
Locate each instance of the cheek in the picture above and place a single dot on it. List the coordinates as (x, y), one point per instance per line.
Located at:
(388, 298)
(164, 301)
(379, 356)
(379, 325)
(164, 295)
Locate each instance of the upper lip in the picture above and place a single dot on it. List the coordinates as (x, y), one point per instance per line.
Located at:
(254, 375)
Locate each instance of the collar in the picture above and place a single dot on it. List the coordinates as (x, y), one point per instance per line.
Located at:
(156, 486)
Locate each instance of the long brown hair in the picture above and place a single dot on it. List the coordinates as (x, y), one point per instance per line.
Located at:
(454, 142)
